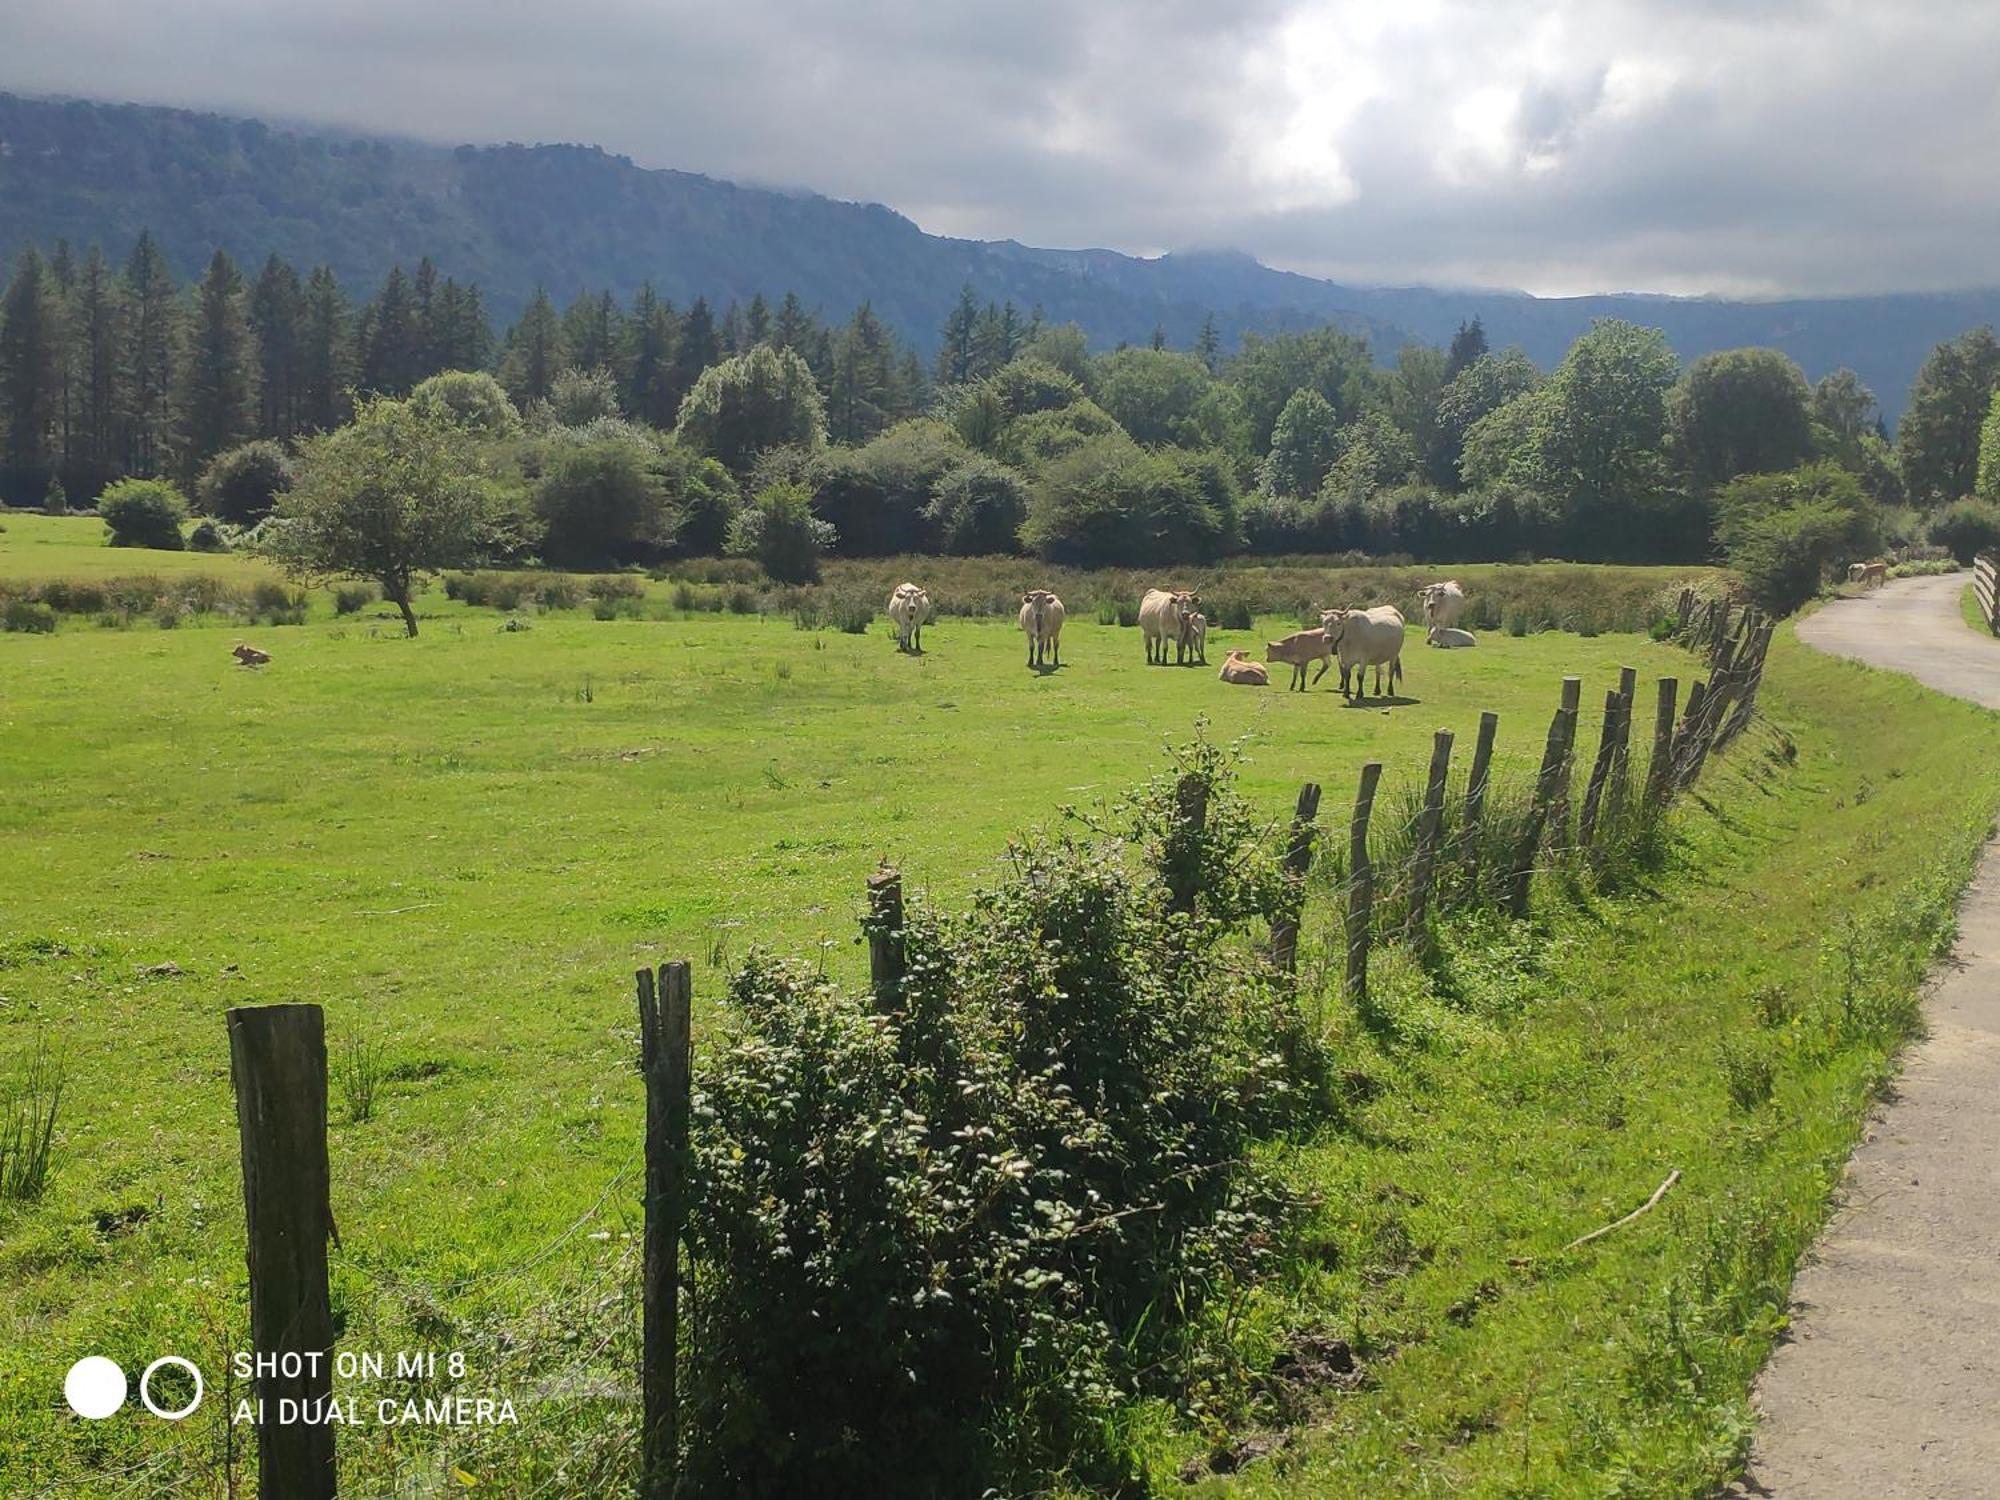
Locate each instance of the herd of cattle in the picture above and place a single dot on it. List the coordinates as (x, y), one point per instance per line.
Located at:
(1171, 619)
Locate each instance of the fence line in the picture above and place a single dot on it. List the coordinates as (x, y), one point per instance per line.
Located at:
(278, 1053)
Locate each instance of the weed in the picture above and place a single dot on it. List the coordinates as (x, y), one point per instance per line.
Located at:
(28, 1114)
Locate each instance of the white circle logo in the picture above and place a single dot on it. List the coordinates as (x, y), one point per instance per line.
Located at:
(95, 1387)
(146, 1395)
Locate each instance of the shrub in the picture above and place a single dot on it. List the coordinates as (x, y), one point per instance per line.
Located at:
(207, 537)
(601, 500)
(271, 603)
(953, 1222)
(978, 508)
(55, 499)
(28, 617)
(351, 598)
(144, 513)
(740, 601)
(559, 592)
(616, 586)
(1968, 528)
(241, 485)
(1782, 531)
(850, 614)
(469, 401)
(779, 529)
(1748, 1071)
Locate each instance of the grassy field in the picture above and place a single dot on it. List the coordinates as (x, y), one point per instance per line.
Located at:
(462, 845)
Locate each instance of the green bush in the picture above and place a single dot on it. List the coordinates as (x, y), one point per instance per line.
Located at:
(779, 530)
(55, 499)
(242, 484)
(1782, 532)
(558, 592)
(28, 616)
(144, 513)
(1968, 528)
(271, 603)
(952, 1222)
(351, 598)
(207, 537)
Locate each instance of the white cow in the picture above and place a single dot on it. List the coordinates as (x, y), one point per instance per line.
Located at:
(1163, 617)
(1443, 604)
(909, 608)
(1239, 669)
(1364, 638)
(1449, 638)
(1301, 649)
(1195, 630)
(1042, 616)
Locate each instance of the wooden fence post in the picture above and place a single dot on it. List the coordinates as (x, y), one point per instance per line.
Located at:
(277, 1064)
(1430, 827)
(667, 1060)
(1663, 742)
(1986, 589)
(1600, 771)
(1681, 753)
(1475, 796)
(1753, 677)
(1183, 871)
(885, 936)
(1360, 885)
(1683, 611)
(1298, 863)
(1572, 699)
(1538, 816)
(1621, 773)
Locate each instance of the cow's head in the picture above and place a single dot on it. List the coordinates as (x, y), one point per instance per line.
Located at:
(1333, 623)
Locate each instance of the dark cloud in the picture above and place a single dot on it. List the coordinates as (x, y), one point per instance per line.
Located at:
(1561, 145)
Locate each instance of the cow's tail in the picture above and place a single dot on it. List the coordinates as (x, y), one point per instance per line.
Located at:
(1395, 672)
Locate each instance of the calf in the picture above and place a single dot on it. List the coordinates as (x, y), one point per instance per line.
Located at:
(1239, 669)
(1302, 648)
(250, 656)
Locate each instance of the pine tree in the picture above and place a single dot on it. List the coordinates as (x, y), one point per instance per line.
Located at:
(326, 368)
(1159, 337)
(590, 332)
(534, 353)
(651, 332)
(96, 353)
(696, 348)
(958, 347)
(1466, 347)
(424, 308)
(862, 399)
(277, 318)
(30, 333)
(730, 333)
(152, 348)
(1208, 344)
(793, 326)
(461, 338)
(390, 339)
(217, 397)
(757, 321)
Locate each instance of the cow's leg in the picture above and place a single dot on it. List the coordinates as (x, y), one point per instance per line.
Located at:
(1325, 664)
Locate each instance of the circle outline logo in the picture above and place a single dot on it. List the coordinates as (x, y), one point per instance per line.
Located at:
(146, 1394)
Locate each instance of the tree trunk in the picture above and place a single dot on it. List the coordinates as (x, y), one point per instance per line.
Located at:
(402, 602)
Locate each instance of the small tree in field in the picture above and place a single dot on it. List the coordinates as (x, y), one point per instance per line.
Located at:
(55, 499)
(397, 496)
(779, 529)
(144, 513)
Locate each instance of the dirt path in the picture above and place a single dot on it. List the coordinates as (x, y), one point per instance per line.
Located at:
(1889, 1385)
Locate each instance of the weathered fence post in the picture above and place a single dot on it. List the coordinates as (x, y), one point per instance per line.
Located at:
(1538, 815)
(1616, 794)
(1183, 871)
(1360, 885)
(1986, 589)
(1657, 769)
(1600, 771)
(277, 1064)
(885, 936)
(1430, 826)
(1572, 699)
(1753, 677)
(666, 1059)
(1682, 753)
(1683, 611)
(1298, 863)
(1475, 796)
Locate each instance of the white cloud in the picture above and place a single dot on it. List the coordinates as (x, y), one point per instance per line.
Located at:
(1743, 145)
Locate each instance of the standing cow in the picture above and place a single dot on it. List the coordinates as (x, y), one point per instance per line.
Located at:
(909, 608)
(1195, 629)
(1042, 617)
(1364, 638)
(1301, 649)
(1162, 618)
(1443, 603)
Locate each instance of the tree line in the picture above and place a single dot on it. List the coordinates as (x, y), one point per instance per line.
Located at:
(637, 430)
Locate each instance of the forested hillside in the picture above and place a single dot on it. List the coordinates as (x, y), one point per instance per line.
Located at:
(513, 218)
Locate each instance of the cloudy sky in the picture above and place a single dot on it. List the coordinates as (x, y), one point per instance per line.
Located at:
(1762, 146)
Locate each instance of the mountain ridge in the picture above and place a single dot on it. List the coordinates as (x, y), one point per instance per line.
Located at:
(571, 216)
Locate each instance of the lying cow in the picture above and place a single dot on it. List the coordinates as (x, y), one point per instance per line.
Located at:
(909, 607)
(1239, 669)
(1365, 638)
(1443, 603)
(1448, 638)
(250, 656)
(1194, 629)
(1163, 617)
(1042, 616)
(1301, 648)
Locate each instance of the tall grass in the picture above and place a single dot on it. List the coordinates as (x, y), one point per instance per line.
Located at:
(28, 1116)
